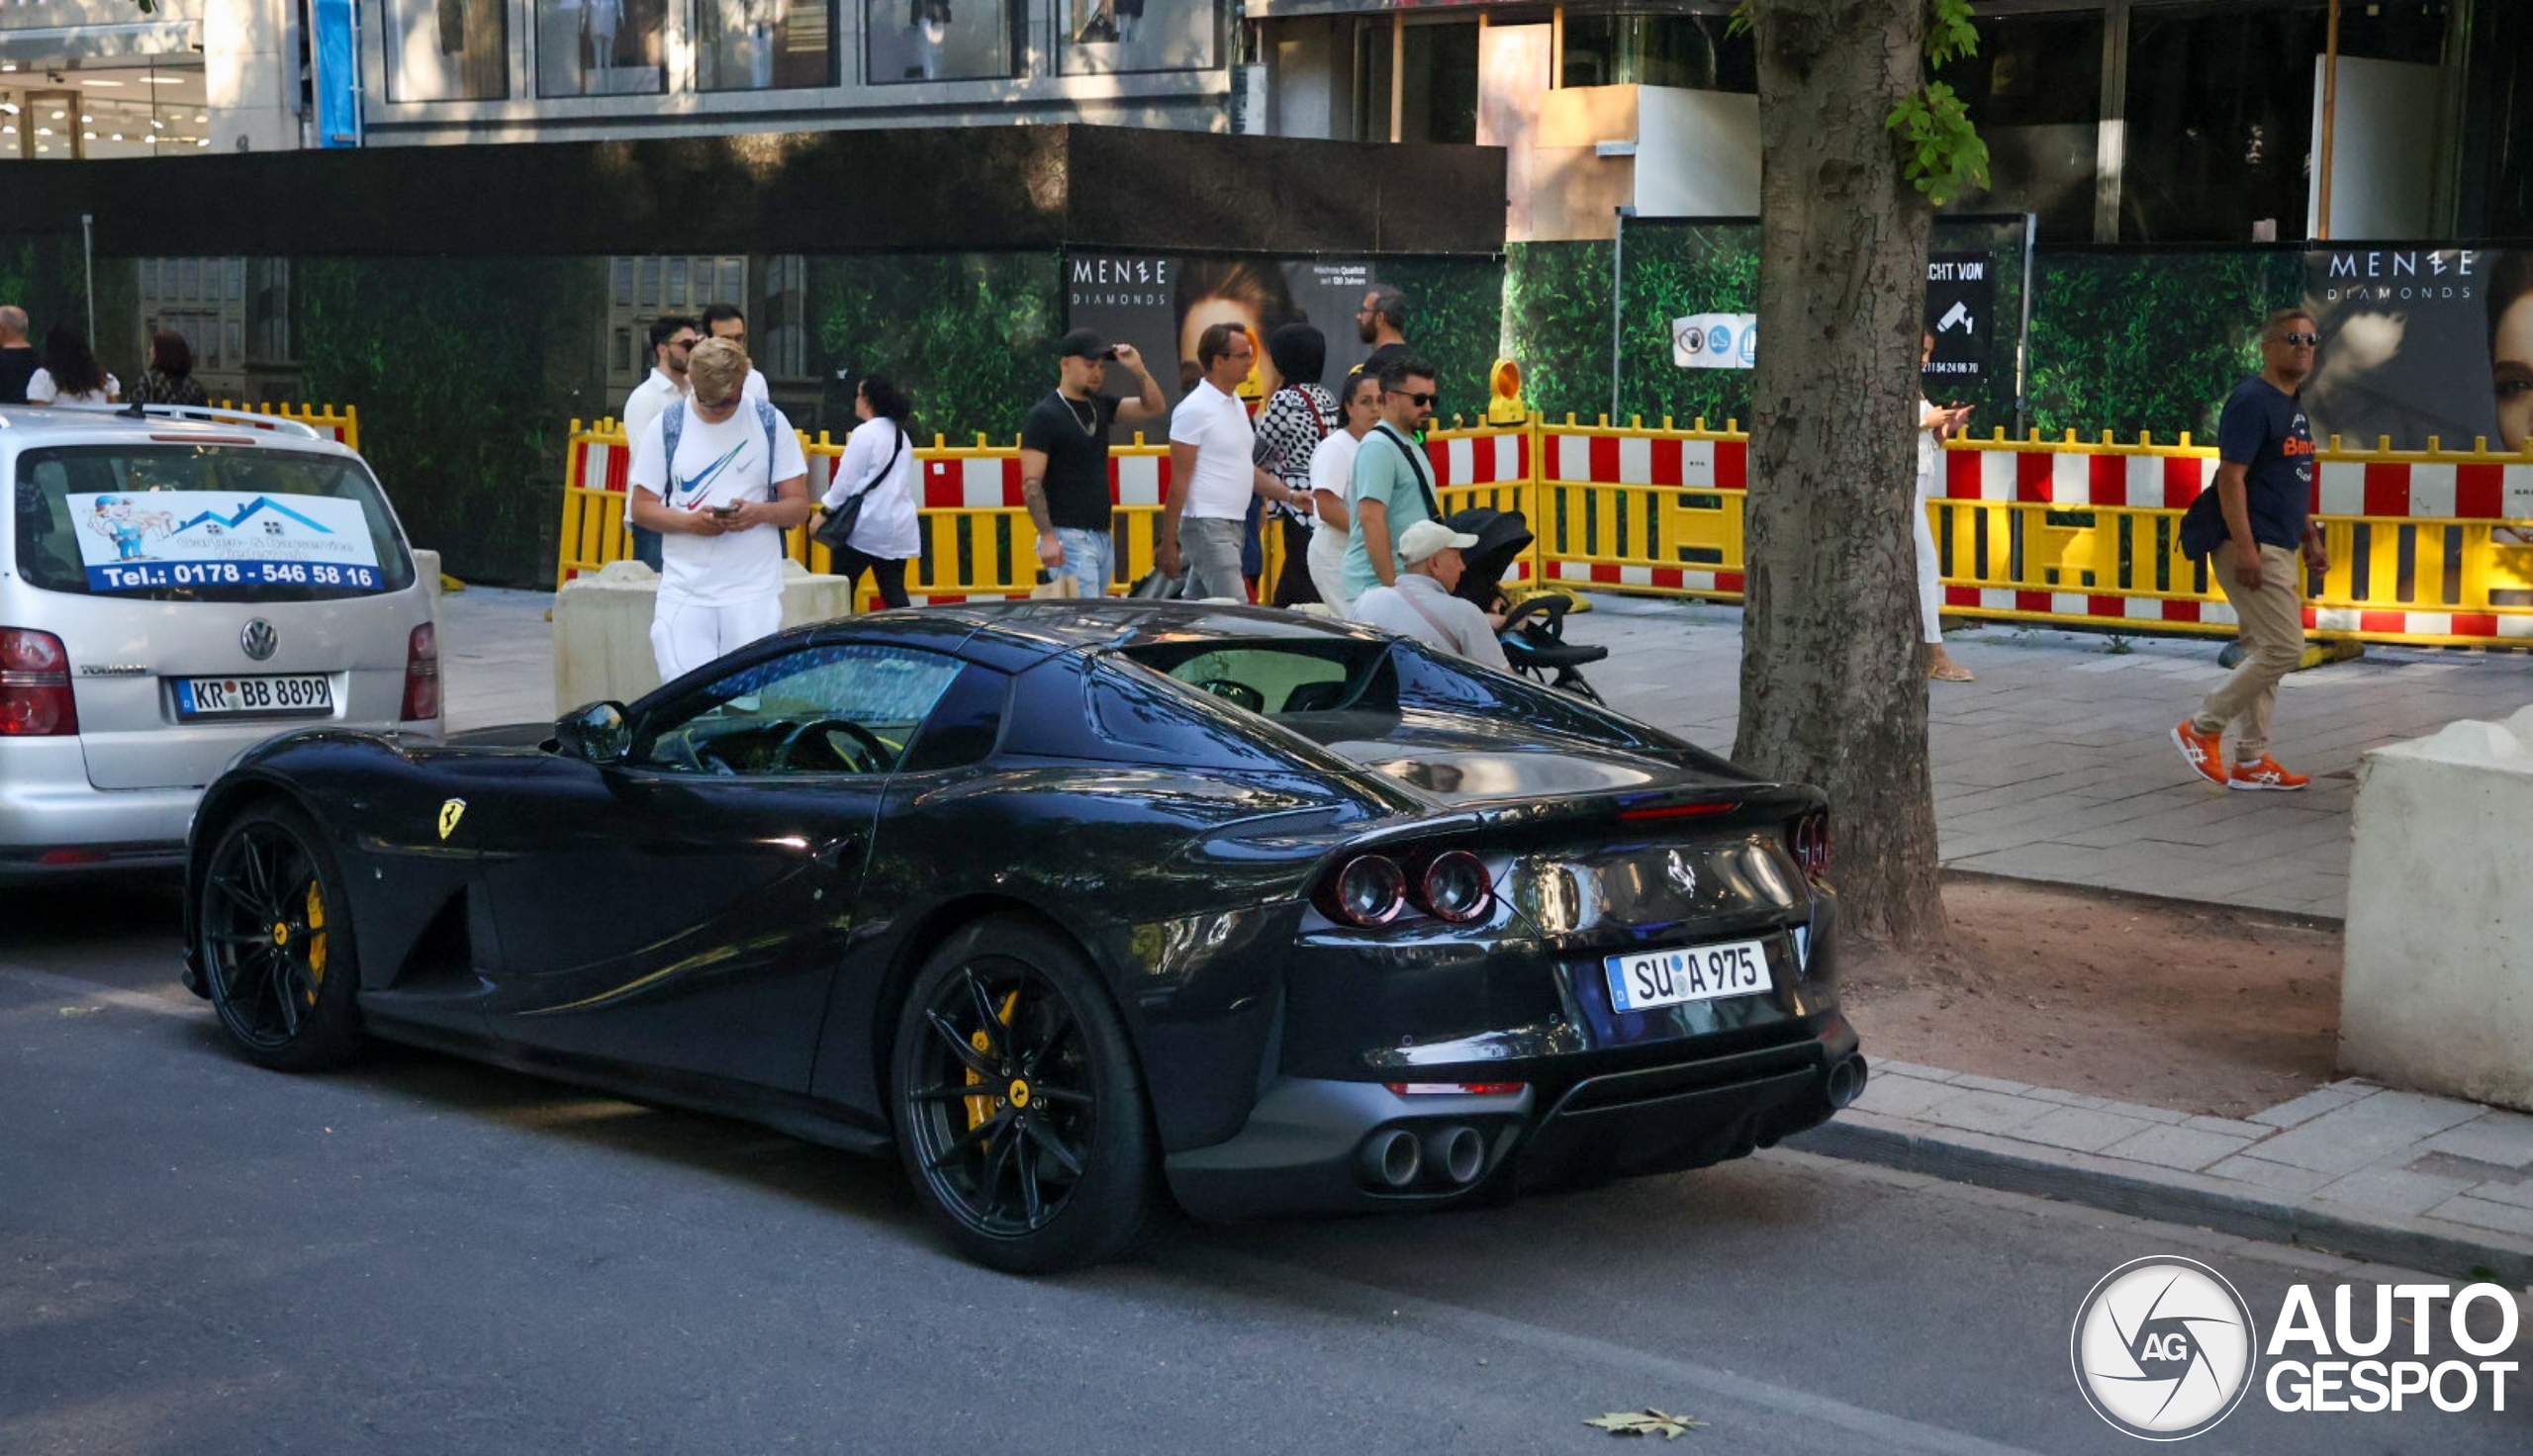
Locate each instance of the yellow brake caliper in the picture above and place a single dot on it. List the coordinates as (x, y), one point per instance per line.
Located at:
(316, 941)
(980, 1109)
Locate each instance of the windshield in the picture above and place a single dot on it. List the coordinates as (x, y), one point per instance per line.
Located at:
(164, 523)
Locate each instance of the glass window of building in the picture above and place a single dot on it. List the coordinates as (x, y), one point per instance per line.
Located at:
(940, 40)
(600, 47)
(1118, 37)
(1438, 82)
(764, 45)
(1690, 52)
(447, 49)
(2034, 89)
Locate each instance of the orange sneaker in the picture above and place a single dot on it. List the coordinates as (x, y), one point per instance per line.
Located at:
(2206, 751)
(2266, 774)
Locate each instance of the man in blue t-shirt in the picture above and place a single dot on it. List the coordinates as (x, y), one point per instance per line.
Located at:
(2265, 490)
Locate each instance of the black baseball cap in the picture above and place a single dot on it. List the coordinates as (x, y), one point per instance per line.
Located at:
(1085, 343)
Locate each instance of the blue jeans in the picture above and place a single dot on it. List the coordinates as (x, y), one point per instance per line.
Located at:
(1090, 559)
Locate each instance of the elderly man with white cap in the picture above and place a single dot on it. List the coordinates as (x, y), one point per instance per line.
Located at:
(1421, 605)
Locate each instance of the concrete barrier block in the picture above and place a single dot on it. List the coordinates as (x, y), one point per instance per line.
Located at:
(603, 627)
(2437, 993)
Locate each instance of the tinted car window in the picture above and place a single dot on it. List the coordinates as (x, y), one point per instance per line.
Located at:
(840, 708)
(965, 725)
(160, 522)
(1170, 723)
(1453, 685)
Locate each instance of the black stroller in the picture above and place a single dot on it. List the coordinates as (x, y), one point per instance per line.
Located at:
(1534, 633)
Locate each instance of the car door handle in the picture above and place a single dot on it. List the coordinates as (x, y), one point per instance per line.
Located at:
(836, 852)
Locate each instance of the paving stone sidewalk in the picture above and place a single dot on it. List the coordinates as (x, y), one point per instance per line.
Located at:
(2375, 1173)
(2052, 766)
(2056, 764)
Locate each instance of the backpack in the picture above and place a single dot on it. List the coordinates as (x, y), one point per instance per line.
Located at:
(673, 426)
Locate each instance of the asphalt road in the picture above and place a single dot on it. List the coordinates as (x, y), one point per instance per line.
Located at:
(423, 1257)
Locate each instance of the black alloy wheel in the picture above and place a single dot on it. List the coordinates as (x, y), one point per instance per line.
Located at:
(274, 938)
(1020, 1110)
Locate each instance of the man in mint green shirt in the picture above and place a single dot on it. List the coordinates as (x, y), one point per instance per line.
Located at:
(1393, 483)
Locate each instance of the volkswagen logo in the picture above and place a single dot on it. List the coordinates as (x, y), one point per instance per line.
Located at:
(2163, 1348)
(259, 639)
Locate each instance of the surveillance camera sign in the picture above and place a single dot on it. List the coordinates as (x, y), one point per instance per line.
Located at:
(1961, 304)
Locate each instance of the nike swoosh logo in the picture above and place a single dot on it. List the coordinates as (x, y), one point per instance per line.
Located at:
(693, 490)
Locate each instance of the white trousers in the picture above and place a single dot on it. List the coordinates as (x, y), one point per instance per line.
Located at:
(1930, 570)
(685, 636)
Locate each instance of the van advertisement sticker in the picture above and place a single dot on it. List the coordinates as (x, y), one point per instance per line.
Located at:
(145, 540)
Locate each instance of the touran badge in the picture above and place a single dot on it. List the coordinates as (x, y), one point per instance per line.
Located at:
(450, 814)
(259, 639)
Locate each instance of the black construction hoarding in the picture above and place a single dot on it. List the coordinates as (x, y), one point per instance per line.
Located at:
(2421, 344)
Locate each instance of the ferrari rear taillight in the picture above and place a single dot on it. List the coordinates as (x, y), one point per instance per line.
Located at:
(421, 674)
(35, 685)
(1809, 838)
(1455, 887)
(1368, 890)
(1452, 885)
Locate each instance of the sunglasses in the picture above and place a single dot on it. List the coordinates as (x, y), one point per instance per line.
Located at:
(2309, 340)
(683, 343)
(1420, 402)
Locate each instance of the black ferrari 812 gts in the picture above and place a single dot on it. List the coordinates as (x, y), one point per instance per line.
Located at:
(1084, 908)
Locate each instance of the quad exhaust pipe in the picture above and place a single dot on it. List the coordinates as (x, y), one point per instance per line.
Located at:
(1458, 1153)
(1391, 1158)
(1847, 1081)
(1453, 1154)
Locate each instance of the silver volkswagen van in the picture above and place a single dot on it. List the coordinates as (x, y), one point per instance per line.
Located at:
(176, 585)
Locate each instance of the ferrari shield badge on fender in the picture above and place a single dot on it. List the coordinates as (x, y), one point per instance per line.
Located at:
(449, 813)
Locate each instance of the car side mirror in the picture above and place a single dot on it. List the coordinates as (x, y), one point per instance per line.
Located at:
(598, 733)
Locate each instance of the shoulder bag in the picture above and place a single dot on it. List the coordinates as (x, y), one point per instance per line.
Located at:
(836, 533)
(1415, 463)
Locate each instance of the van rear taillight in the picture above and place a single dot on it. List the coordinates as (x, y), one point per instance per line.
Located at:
(422, 675)
(35, 686)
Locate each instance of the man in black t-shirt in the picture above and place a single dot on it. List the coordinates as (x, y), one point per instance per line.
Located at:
(18, 359)
(1064, 457)
(2264, 490)
(1382, 322)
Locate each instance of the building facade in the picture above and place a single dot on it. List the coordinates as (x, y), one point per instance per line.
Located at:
(2111, 120)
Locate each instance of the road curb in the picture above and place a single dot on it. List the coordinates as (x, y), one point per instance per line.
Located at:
(2176, 1197)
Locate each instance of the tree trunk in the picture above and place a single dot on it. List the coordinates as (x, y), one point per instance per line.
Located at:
(1833, 689)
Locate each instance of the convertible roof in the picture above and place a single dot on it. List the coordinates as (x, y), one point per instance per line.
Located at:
(1051, 626)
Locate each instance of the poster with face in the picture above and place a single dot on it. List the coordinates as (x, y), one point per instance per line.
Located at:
(1162, 304)
(915, 41)
(1100, 38)
(2421, 344)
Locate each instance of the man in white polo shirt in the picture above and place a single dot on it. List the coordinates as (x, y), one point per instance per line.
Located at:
(1212, 472)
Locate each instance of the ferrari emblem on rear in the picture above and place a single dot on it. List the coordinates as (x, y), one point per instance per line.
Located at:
(450, 814)
(1683, 874)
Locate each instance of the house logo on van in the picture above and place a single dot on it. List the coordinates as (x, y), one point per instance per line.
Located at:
(259, 639)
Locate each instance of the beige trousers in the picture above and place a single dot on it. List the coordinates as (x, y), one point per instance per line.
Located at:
(2272, 623)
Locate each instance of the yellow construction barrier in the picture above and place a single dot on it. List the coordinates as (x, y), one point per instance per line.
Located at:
(2067, 532)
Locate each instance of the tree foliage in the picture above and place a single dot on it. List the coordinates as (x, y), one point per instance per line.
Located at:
(1944, 157)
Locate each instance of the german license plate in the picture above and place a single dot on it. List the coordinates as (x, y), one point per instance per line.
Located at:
(1644, 979)
(308, 694)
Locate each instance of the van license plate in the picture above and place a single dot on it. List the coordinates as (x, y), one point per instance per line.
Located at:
(303, 694)
(1646, 979)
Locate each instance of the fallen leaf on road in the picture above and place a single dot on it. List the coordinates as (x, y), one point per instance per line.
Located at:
(81, 1010)
(1645, 1422)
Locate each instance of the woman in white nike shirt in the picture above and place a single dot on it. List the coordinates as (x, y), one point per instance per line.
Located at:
(738, 483)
